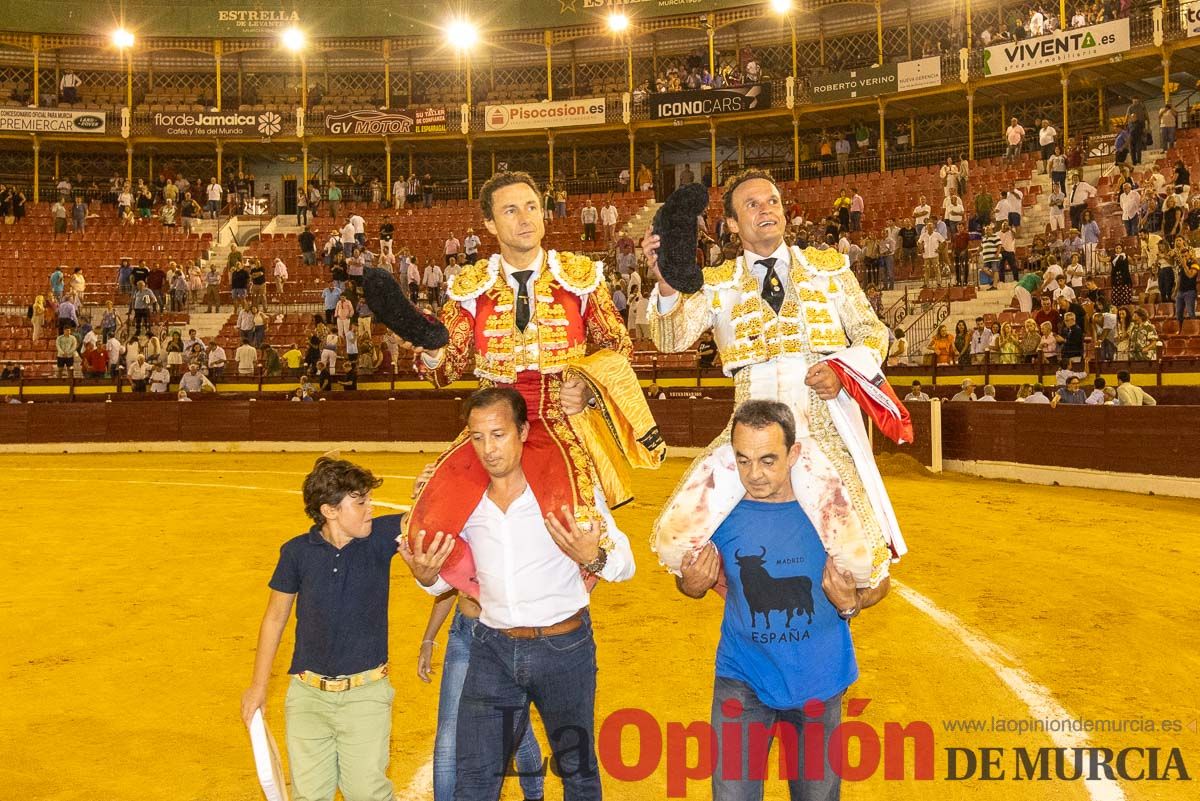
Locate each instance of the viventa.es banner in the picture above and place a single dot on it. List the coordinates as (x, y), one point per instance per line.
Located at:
(1061, 47)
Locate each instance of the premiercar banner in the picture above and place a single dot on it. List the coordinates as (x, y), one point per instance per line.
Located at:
(48, 120)
(371, 122)
(710, 102)
(1060, 47)
(550, 114)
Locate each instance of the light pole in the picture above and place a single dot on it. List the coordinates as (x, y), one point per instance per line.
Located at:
(784, 8)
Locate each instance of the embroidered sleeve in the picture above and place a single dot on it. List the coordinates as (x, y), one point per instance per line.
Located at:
(605, 328)
(458, 356)
(677, 328)
(862, 325)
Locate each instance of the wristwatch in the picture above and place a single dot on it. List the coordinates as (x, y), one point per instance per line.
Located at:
(596, 565)
(851, 613)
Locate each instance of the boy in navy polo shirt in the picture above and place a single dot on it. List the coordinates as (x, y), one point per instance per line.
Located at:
(785, 637)
(339, 702)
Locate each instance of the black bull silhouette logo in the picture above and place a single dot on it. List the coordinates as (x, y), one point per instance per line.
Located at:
(765, 593)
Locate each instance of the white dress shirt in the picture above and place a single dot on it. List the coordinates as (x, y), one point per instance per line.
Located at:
(525, 579)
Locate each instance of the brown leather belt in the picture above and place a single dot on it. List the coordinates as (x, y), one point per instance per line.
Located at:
(533, 632)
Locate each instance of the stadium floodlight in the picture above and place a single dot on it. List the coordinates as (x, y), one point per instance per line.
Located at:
(462, 34)
(293, 39)
(781, 6)
(618, 23)
(122, 38)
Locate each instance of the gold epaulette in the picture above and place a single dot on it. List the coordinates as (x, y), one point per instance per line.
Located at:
(472, 281)
(577, 274)
(722, 276)
(827, 260)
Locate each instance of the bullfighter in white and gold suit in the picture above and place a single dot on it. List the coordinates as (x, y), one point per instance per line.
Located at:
(794, 326)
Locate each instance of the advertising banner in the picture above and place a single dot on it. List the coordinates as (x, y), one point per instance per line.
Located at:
(710, 102)
(1061, 47)
(188, 124)
(49, 120)
(920, 73)
(372, 122)
(551, 114)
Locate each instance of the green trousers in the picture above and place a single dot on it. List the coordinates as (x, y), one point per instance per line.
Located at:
(339, 740)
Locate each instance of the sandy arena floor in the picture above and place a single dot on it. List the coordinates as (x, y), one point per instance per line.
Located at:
(137, 583)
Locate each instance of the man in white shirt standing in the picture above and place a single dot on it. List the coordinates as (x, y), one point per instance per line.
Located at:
(1077, 200)
(608, 218)
(1015, 137)
(360, 229)
(432, 281)
(534, 610)
(213, 193)
(216, 362)
(471, 246)
(1046, 139)
(398, 193)
(930, 243)
(588, 216)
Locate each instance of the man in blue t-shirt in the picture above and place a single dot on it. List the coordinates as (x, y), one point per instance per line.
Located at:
(785, 656)
(338, 712)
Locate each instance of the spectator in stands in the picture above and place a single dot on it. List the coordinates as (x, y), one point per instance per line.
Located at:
(984, 206)
(953, 211)
(68, 314)
(1130, 395)
(930, 243)
(560, 201)
(246, 357)
(1135, 120)
(857, 207)
(36, 313)
(68, 86)
(160, 378)
(1167, 120)
(334, 196)
(1131, 208)
(1070, 340)
(292, 359)
(12, 372)
(432, 281)
(887, 255)
(451, 248)
(1143, 337)
(917, 393)
(1047, 138)
(470, 246)
(194, 381)
(138, 373)
(1037, 395)
(79, 215)
(909, 236)
(686, 176)
(1007, 346)
(645, 178)
(95, 361)
(1072, 394)
(706, 350)
(841, 147)
(1185, 294)
(639, 322)
(981, 341)
(941, 345)
(898, 352)
(989, 394)
(18, 206)
(949, 176)
(59, 214)
(920, 213)
(588, 215)
(1029, 341)
(66, 346)
(967, 391)
(308, 246)
(213, 198)
(1077, 199)
(259, 319)
(608, 218)
(1014, 136)
(343, 311)
(1096, 396)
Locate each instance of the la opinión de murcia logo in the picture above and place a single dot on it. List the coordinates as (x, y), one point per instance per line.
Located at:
(269, 123)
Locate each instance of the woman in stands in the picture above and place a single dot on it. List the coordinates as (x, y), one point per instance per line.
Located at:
(1009, 345)
(1120, 279)
(1121, 335)
(37, 316)
(942, 346)
(962, 343)
(1049, 342)
(1173, 214)
(1090, 233)
(174, 349)
(1030, 340)
(18, 205)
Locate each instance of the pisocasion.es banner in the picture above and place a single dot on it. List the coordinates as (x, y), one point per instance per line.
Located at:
(1061, 47)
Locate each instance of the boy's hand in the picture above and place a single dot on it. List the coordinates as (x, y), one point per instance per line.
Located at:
(254, 698)
(424, 563)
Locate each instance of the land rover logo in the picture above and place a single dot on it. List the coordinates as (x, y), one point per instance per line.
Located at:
(89, 122)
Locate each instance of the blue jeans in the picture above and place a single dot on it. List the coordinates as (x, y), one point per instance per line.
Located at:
(1168, 138)
(741, 786)
(454, 673)
(558, 675)
(888, 265)
(1185, 303)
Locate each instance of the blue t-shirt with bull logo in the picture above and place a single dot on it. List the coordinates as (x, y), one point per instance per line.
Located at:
(781, 636)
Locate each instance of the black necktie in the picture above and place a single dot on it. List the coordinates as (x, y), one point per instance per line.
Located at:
(522, 278)
(772, 289)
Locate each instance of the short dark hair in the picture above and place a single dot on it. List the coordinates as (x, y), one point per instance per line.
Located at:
(759, 414)
(499, 181)
(494, 396)
(737, 180)
(1123, 377)
(1099, 383)
(330, 481)
(916, 382)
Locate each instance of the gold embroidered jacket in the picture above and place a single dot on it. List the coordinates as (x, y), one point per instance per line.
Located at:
(824, 311)
(572, 311)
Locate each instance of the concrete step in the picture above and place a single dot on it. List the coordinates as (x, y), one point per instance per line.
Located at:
(208, 325)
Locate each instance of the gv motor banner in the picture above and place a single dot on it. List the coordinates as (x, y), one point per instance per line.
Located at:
(551, 114)
(48, 120)
(710, 102)
(1057, 48)
(370, 122)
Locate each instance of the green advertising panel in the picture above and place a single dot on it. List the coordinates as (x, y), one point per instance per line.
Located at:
(365, 18)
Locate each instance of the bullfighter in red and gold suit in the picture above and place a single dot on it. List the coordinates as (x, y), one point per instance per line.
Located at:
(544, 323)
